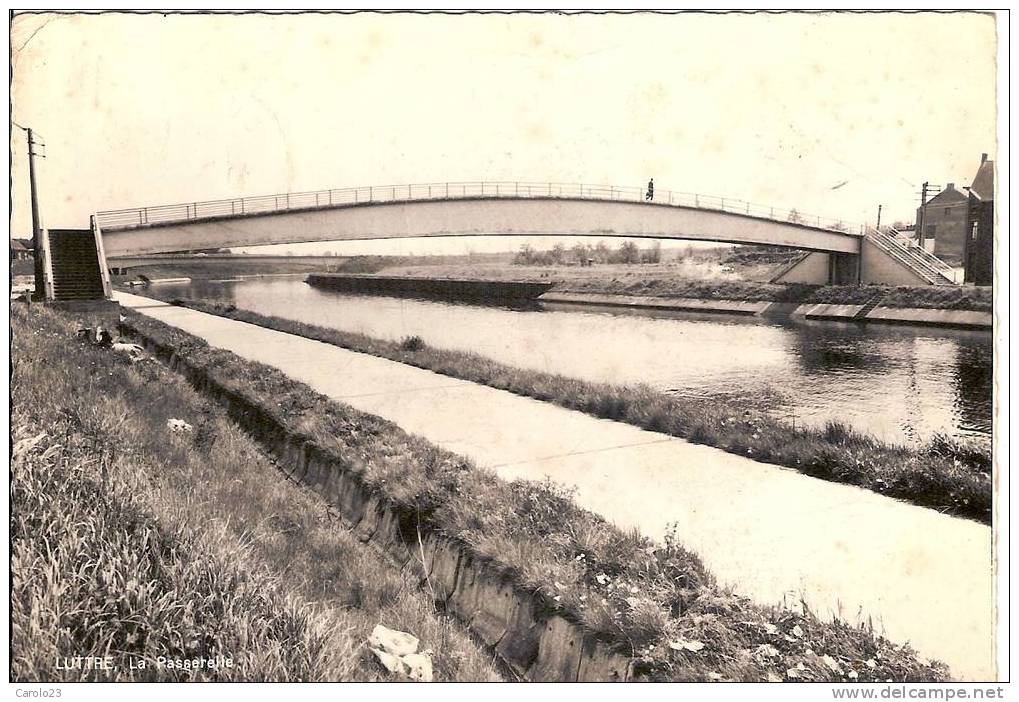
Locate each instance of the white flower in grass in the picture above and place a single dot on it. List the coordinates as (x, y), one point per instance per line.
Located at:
(684, 645)
(831, 663)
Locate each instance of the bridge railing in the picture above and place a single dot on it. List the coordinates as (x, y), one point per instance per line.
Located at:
(235, 207)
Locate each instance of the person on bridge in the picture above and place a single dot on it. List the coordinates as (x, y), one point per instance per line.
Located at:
(650, 191)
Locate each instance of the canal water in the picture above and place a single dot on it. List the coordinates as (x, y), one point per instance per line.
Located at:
(899, 383)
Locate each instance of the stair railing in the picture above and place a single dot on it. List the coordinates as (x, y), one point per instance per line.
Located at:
(927, 256)
(906, 256)
(104, 270)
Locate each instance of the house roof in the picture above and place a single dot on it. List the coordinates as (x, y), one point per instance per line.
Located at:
(983, 182)
(18, 246)
(949, 194)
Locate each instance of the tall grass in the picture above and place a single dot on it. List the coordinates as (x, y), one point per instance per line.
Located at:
(625, 589)
(131, 541)
(945, 475)
(93, 574)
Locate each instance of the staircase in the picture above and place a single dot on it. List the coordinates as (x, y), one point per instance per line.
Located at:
(75, 266)
(870, 305)
(935, 262)
(926, 265)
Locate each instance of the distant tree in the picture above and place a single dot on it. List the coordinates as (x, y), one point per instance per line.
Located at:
(653, 253)
(328, 253)
(525, 256)
(558, 253)
(795, 217)
(628, 252)
(601, 252)
(581, 252)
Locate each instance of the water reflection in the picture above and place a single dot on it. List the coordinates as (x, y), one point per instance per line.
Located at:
(902, 384)
(974, 383)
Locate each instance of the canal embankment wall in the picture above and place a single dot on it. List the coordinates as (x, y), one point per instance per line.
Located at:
(967, 319)
(447, 288)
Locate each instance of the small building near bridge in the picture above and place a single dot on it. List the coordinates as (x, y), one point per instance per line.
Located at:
(979, 244)
(943, 221)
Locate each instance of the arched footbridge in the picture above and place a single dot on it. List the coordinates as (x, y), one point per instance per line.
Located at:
(834, 251)
(465, 209)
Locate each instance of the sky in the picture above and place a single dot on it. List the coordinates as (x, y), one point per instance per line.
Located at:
(831, 114)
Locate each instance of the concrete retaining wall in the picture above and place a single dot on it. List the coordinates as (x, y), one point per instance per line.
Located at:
(941, 318)
(534, 643)
(448, 288)
(928, 317)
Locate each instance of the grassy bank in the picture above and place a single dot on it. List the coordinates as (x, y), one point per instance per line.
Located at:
(132, 541)
(215, 268)
(954, 297)
(944, 475)
(654, 601)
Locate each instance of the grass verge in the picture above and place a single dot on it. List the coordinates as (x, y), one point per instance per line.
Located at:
(949, 297)
(135, 542)
(944, 475)
(654, 601)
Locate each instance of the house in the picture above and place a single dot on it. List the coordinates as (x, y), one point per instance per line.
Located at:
(979, 245)
(943, 220)
(21, 250)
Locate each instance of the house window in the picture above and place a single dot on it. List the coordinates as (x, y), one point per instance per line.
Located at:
(948, 210)
(973, 231)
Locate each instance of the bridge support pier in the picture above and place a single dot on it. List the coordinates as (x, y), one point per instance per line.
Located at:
(843, 269)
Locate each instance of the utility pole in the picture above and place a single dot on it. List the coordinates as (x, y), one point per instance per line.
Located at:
(37, 242)
(879, 218)
(920, 236)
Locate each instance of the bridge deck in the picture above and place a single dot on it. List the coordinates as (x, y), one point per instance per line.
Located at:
(285, 202)
(466, 209)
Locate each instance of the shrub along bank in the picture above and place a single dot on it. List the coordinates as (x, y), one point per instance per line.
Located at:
(654, 601)
(944, 474)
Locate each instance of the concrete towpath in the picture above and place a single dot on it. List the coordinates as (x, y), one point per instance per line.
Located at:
(773, 534)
